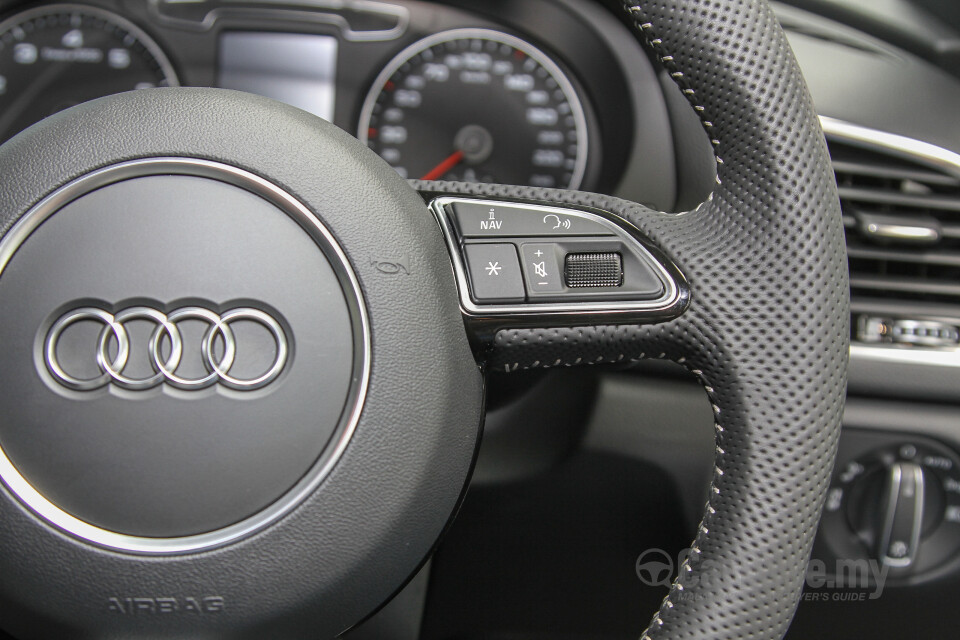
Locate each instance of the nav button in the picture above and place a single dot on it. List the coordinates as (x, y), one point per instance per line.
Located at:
(492, 220)
(494, 273)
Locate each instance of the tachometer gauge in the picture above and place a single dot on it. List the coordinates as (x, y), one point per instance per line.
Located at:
(479, 106)
(56, 56)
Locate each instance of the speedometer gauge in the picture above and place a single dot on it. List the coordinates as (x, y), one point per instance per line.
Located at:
(479, 106)
(56, 56)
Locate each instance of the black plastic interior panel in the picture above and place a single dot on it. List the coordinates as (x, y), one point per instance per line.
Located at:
(927, 28)
(857, 78)
(554, 556)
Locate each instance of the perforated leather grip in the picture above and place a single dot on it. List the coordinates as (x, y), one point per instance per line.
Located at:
(767, 328)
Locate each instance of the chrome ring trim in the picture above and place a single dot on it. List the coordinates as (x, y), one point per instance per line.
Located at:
(163, 325)
(36, 502)
(229, 349)
(110, 326)
(165, 369)
(223, 327)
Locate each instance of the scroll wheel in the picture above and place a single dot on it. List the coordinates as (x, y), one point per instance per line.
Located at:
(582, 270)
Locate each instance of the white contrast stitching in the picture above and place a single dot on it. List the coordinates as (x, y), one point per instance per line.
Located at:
(669, 62)
(667, 604)
(702, 529)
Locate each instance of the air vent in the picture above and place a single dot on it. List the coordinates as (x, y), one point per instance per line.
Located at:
(902, 221)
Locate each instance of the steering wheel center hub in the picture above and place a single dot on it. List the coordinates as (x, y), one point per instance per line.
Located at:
(208, 370)
(202, 303)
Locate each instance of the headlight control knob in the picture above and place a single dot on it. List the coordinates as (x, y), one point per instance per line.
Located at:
(893, 508)
(896, 502)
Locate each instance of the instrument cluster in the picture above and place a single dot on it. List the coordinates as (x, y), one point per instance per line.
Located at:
(534, 95)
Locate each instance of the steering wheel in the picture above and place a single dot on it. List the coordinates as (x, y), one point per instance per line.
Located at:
(243, 360)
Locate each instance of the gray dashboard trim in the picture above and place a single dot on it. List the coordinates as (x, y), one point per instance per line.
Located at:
(308, 11)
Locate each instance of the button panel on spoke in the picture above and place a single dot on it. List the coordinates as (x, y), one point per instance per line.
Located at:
(518, 258)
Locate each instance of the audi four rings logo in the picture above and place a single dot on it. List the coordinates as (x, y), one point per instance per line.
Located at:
(164, 367)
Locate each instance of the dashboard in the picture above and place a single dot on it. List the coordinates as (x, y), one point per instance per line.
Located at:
(441, 92)
(559, 93)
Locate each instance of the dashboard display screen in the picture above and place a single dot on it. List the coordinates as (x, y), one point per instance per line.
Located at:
(298, 69)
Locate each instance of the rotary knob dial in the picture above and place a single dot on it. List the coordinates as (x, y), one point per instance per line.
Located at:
(896, 502)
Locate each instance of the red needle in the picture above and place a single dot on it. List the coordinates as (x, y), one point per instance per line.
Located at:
(449, 163)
